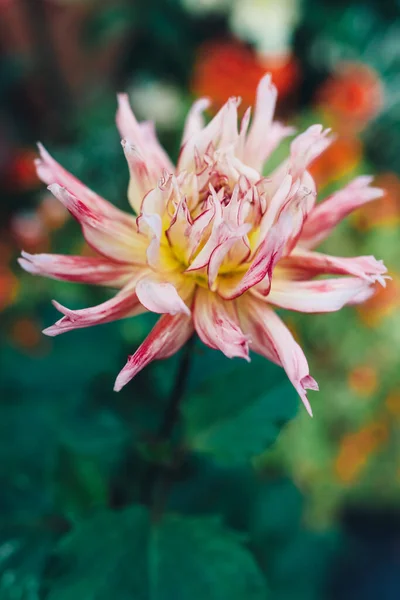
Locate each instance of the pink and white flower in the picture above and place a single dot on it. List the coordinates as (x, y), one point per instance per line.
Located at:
(215, 244)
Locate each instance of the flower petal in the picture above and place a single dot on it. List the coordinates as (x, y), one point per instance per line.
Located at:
(304, 264)
(122, 305)
(306, 147)
(50, 171)
(161, 297)
(143, 137)
(165, 339)
(141, 181)
(145, 156)
(222, 129)
(326, 215)
(325, 295)
(80, 269)
(271, 338)
(255, 153)
(217, 324)
(194, 123)
(115, 239)
(260, 271)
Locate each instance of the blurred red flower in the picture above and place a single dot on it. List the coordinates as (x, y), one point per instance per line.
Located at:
(229, 68)
(352, 96)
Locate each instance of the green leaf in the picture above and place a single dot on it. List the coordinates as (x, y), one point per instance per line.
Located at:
(125, 556)
(24, 551)
(238, 412)
(107, 24)
(267, 508)
(288, 566)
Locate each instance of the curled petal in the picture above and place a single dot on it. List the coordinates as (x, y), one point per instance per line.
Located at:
(324, 295)
(179, 231)
(151, 225)
(271, 338)
(160, 297)
(115, 239)
(80, 269)
(122, 305)
(260, 271)
(222, 238)
(51, 172)
(217, 325)
(304, 264)
(278, 200)
(168, 335)
(326, 215)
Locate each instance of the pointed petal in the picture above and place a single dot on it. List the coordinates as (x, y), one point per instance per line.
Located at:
(194, 123)
(142, 136)
(326, 215)
(277, 133)
(306, 147)
(261, 124)
(165, 339)
(141, 181)
(50, 172)
(222, 127)
(161, 297)
(155, 153)
(145, 156)
(217, 324)
(112, 238)
(80, 269)
(271, 338)
(324, 295)
(122, 305)
(304, 264)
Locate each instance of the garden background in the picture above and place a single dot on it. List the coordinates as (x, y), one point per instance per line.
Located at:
(310, 506)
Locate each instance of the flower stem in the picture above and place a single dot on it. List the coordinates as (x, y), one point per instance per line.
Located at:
(172, 411)
(158, 478)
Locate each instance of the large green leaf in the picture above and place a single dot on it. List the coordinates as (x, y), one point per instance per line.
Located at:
(239, 410)
(266, 507)
(125, 556)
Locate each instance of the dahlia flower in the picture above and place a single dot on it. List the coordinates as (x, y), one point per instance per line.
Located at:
(215, 244)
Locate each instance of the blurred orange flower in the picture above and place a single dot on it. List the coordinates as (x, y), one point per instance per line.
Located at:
(363, 380)
(232, 69)
(356, 448)
(385, 302)
(26, 333)
(339, 160)
(387, 213)
(8, 288)
(352, 96)
(393, 403)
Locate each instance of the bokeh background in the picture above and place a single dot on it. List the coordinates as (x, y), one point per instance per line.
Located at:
(335, 62)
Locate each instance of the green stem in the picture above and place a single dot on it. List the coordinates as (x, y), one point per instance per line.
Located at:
(158, 478)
